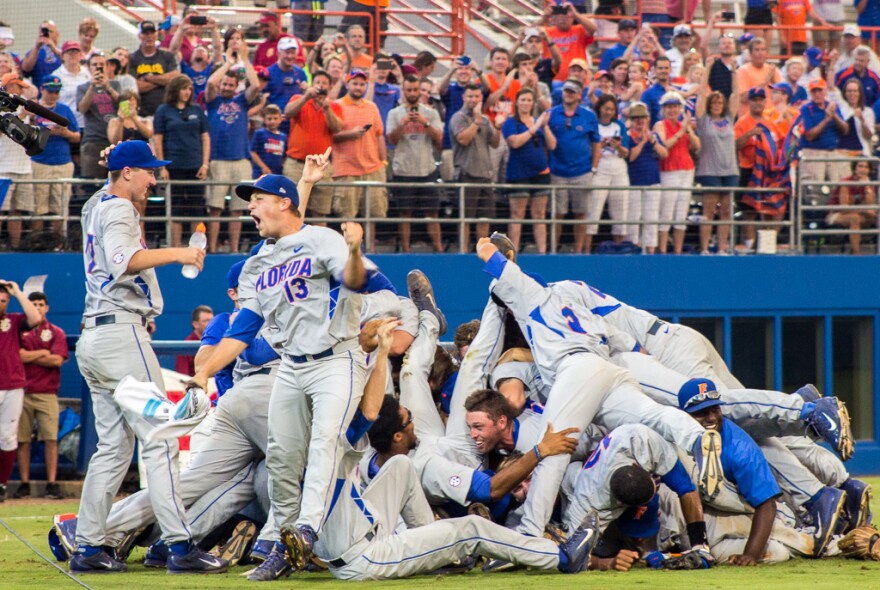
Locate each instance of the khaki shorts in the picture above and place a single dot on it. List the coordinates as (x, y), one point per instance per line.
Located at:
(44, 408)
(51, 198)
(321, 198)
(21, 195)
(227, 171)
(348, 201)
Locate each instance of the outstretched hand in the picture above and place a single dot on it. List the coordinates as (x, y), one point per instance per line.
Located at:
(315, 167)
(353, 234)
(485, 249)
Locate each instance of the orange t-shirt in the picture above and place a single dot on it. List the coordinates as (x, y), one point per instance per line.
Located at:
(309, 133)
(745, 124)
(793, 12)
(507, 102)
(783, 124)
(357, 157)
(572, 44)
(748, 77)
(362, 62)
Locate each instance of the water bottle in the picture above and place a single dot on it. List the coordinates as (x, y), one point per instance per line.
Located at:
(198, 240)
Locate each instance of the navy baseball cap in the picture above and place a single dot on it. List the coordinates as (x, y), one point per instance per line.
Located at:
(52, 83)
(134, 154)
(274, 184)
(757, 92)
(234, 273)
(814, 55)
(784, 87)
(698, 394)
(626, 23)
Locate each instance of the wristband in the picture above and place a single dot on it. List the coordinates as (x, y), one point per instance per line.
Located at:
(697, 533)
(537, 453)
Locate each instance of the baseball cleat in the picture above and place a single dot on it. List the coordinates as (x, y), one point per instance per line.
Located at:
(235, 548)
(157, 555)
(857, 508)
(809, 393)
(65, 529)
(275, 566)
(498, 565)
(196, 561)
(299, 543)
(829, 420)
(58, 550)
(580, 543)
(504, 245)
(123, 550)
(261, 550)
(422, 294)
(97, 563)
(461, 566)
(823, 511)
(707, 453)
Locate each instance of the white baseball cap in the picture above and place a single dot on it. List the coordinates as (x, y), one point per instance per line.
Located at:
(680, 30)
(531, 32)
(286, 43)
(852, 29)
(6, 33)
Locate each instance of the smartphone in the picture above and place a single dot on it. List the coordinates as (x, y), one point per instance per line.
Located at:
(728, 15)
(235, 55)
(125, 108)
(559, 10)
(100, 69)
(464, 60)
(383, 65)
(322, 92)
(44, 31)
(368, 126)
(198, 19)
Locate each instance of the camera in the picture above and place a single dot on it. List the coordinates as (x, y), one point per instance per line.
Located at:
(559, 10)
(322, 92)
(44, 31)
(32, 139)
(198, 20)
(728, 15)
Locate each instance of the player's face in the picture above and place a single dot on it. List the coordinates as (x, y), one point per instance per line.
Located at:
(141, 181)
(267, 211)
(41, 307)
(485, 432)
(521, 491)
(408, 434)
(710, 418)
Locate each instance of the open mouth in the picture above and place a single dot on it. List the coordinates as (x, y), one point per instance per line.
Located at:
(256, 220)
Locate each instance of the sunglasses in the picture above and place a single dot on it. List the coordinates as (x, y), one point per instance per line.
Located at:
(409, 420)
(701, 397)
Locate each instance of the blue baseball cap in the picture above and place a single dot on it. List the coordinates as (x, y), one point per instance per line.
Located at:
(274, 184)
(814, 55)
(757, 92)
(745, 38)
(784, 87)
(703, 388)
(134, 154)
(233, 274)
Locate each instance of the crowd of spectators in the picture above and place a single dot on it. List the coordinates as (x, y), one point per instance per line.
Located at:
(668, 109)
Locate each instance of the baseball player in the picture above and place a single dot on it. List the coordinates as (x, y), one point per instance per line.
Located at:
(305, 289)
(750, 491)
(359, 541)
(619, 475)
(12, 374)
(572, 350)
(122, 295)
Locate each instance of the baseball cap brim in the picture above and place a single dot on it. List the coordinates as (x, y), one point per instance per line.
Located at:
(244, 191)
(702, 406)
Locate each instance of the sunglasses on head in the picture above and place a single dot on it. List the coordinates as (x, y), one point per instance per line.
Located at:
(701, 397)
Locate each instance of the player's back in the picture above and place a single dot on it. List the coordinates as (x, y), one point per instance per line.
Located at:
(626, 318)
(111, 237)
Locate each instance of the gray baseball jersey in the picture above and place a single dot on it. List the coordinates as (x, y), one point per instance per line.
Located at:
(111, 236)
(297, 287)
(386, 304)
(626, 445)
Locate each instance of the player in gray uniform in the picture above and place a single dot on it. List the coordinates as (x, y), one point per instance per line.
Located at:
(306, 290)
(122, 296)
(360, 541)
(572, 349)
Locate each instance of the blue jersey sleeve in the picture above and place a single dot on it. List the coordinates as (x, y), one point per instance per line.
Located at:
(217, 327)
(678, 480)
(495, 265)
(747, 468)
(259, 352)
(376, 281)
(246, 326)
(481, 488)
(358, 428)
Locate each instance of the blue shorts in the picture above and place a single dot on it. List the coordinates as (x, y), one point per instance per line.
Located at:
(718, 181)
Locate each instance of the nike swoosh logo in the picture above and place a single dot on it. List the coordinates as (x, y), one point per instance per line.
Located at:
(586, 540)
(296, 250)
(831, 424)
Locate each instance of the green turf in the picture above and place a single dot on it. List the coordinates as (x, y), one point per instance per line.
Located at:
(21, 568)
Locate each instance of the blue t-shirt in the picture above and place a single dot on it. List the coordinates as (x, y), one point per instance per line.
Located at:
(57, 150)
(199, 79)
(812, 115)
(454, 101)
(47, 62)
(609, 55)
(386, 96)
(870, 83)
(212, 336)
(877, 110)
(575, 137)
(745, 466)
(651, 97)
(528, 160)
(228, 127)
(282, 86)
(182, 134)
(870, 17)
(645, 169)
(270, 147)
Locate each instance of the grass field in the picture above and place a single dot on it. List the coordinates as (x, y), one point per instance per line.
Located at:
(21, 568)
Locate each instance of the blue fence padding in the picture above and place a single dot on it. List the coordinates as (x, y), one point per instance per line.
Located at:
(671, 286)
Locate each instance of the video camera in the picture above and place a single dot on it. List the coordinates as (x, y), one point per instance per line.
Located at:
(31, 137)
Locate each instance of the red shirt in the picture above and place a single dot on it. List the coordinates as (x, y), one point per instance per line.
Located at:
(11, 368)
(185, 363)
(46, 336)
(309, 133)
(267, 52)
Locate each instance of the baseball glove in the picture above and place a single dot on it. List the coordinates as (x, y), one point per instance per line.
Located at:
(861, 543)
(689, 560)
